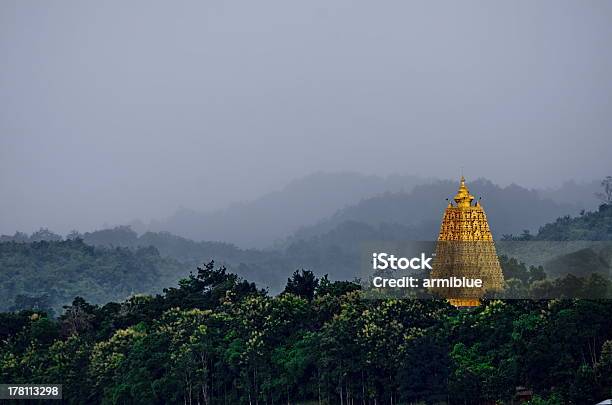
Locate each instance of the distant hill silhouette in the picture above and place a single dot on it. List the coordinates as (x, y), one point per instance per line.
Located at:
(276, 215)
(510, 209)
(317, 203)
(581, 194)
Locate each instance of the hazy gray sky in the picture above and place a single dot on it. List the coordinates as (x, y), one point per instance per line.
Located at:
(115, 110)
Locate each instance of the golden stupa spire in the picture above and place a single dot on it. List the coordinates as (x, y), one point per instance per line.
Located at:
(465, 249)
(463, 197)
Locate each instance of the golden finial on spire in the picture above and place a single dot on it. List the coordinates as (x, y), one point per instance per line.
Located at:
(463, 197)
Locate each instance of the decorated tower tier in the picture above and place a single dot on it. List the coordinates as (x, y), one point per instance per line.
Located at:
(465, 248)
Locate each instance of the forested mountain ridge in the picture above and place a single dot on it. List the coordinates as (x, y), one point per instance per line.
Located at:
(168, 245)
(276, 215)
(48, 274)
(334, 251)
(316, 203)
(510, 209)
(596, 225)
(411, 204)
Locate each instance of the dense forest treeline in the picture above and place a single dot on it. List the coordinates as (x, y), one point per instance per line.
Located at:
(217, 339)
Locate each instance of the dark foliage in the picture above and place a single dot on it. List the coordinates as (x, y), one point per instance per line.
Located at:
(217, 339)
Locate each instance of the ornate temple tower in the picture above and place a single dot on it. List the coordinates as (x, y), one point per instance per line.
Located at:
(465, 248)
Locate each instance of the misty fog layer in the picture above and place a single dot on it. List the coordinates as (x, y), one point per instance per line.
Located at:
(115, 111)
